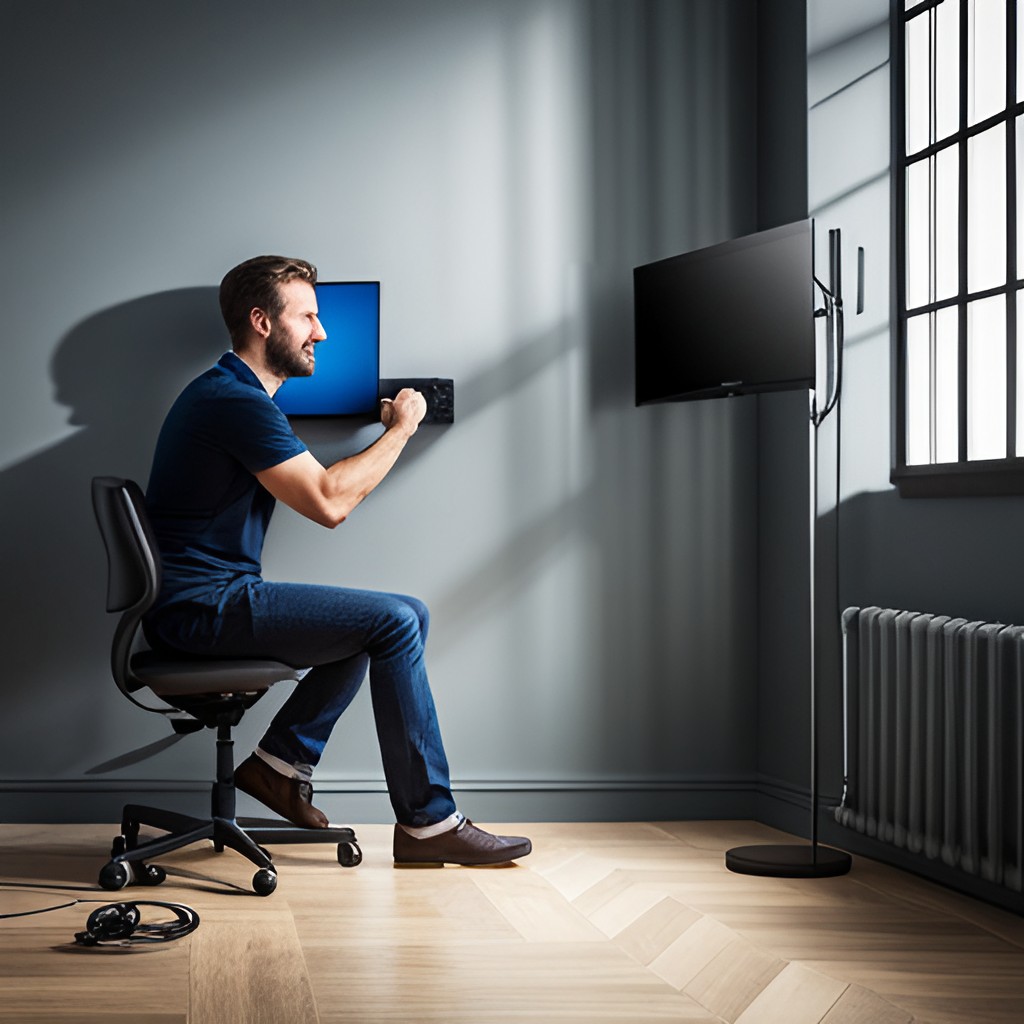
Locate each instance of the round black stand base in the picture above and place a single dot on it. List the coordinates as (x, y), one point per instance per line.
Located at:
(789, 861)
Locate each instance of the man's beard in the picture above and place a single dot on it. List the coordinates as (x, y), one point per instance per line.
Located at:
(284, 361)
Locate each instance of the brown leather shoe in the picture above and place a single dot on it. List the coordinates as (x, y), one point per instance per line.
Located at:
(466, 845)
(291, 798)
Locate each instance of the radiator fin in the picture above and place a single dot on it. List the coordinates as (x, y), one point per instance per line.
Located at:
(935, 738)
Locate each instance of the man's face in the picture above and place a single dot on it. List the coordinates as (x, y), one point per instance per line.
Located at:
(289, 346)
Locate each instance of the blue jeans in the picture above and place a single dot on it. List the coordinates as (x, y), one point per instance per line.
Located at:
(341, 633)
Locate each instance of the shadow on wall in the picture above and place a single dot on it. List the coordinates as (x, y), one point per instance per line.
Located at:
(117, 372)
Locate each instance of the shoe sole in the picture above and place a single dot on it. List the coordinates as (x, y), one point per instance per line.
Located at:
(451, 863)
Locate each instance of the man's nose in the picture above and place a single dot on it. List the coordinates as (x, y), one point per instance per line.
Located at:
(319, 334)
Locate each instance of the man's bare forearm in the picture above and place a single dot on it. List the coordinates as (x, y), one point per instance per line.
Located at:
(327, 496)
(350, 480)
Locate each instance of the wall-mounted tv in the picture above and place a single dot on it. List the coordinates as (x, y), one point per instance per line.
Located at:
(344, 382)
(732, 319)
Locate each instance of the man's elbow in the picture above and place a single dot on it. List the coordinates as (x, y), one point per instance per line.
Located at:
(327, 516)
(335, 508)
(331, 514)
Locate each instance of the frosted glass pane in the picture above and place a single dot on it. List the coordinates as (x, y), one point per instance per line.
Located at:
(918, 391)
(986, 59)
(932, 396)
(986, 378)
(918, 76)
(1020, 374)
(932, 228)
(918, 233)
(947, 69)
(947, 222)
(946, 423)
(986, 209)
(1020, 195)
(932, 37)
(1020, 50)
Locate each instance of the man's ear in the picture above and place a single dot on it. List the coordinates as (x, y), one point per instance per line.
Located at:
(260, 321)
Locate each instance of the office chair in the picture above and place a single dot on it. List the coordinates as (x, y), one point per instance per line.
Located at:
(200, 693)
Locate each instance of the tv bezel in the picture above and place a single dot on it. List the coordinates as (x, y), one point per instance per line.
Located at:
(729, 389)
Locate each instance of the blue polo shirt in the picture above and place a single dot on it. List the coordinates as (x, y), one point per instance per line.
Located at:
(208, 511)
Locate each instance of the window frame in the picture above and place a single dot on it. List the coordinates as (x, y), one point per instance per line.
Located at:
(963, 477)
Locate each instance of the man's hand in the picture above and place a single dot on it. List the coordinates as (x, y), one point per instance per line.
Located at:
(328, 495)
(404, 412)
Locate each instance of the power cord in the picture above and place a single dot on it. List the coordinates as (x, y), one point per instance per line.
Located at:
(47, 889)
(46, 910)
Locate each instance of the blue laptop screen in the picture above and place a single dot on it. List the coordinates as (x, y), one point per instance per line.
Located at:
(348, 362)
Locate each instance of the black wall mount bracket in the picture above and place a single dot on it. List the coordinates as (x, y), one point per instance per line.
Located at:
(438, 391)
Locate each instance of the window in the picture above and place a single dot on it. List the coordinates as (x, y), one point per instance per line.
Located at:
(958, 141)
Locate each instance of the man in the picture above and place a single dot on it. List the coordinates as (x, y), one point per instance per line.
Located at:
(225, 455)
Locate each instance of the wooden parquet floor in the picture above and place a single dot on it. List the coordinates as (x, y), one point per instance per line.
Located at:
(628, 923)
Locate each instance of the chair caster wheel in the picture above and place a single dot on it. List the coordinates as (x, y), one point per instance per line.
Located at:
(264, 882)
(349, 854)
(114, 876)
(151, 874)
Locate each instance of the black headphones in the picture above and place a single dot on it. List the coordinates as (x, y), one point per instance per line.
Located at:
(119, 924)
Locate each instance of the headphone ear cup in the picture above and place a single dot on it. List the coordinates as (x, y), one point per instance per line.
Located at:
(114, 921)
(120, 923)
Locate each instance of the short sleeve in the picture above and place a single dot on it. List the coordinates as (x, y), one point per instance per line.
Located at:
(253, 430)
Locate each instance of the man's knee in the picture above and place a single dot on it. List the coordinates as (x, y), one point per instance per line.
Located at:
(403, 621)
(422, 613)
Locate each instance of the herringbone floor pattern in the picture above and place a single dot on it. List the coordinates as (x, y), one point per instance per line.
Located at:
(602, 923)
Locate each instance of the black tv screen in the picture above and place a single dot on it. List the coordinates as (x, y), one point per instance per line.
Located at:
(344, 382)
(732, 319)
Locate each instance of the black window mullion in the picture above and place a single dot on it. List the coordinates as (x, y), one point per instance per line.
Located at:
(899, 262)
(962, 248)
(925, 5)
(979, 128)
(933, 118)
(1011, 231)
(952, 300)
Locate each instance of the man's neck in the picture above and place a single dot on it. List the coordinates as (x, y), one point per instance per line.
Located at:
(270, 381)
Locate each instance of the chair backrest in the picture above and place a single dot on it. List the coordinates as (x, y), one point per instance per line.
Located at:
(133, 566)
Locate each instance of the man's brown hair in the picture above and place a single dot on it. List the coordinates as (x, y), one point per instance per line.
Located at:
(253, 284)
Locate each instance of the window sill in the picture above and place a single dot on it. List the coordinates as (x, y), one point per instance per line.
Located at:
(998, 477)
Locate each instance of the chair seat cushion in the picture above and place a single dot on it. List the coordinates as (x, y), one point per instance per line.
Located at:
(167, 676)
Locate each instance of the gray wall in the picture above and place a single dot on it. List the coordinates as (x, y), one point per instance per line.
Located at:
(500, 167)
(782, 497)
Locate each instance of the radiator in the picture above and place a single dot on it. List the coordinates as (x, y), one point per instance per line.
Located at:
(934, 719)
